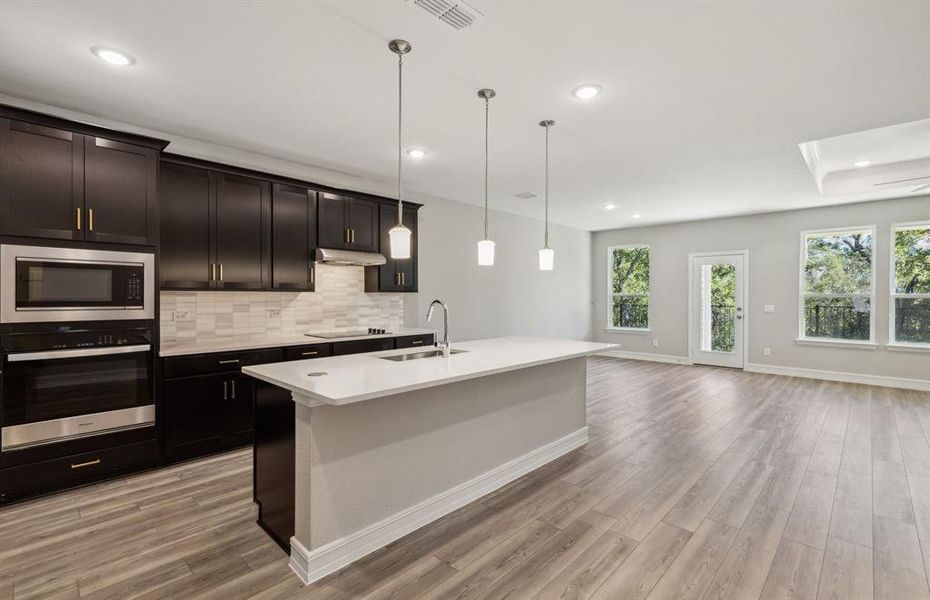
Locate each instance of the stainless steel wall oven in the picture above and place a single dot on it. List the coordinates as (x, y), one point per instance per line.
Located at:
(71, 381)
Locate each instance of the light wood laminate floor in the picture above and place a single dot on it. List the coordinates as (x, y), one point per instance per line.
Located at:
(697, 483)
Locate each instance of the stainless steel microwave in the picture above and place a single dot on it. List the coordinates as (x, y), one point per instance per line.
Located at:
(42, 284)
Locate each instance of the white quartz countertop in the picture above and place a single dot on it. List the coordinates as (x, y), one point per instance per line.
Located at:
(358, 377)
(265, 341)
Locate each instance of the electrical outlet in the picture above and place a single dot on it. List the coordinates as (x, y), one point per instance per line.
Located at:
(767, 351)
(181, 316)
(274, 313)
(769, 308)
(655, 343)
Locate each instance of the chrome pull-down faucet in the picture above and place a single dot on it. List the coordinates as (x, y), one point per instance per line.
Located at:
(444, 344)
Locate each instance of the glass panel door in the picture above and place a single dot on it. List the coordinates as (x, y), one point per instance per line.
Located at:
(718, 313)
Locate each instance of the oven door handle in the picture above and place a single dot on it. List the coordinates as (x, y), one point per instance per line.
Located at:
(80, 352)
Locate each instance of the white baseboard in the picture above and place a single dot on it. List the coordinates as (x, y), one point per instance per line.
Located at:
(311, 565)
(880, 380)
(663, 358)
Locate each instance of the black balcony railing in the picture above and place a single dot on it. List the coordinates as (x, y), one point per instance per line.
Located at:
(722, 327)
(836, 318)
(912, 320)
(631, 311)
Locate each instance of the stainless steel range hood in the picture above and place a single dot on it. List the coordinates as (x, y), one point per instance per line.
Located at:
(330, 256)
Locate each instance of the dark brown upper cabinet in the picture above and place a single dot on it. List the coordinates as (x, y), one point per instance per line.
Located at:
(293, 237)
(120, 186)
(214, 229)
(241, 221)
(68, 181)
(348, 223)
(396, 275)
(41, 181)
(186, 207)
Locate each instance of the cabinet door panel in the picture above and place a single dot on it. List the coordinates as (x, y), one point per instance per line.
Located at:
(41, 181)
(407, 267)
(194, 414)
(240, 223)
(293, 220)
(239, 408)
(332, 223)
(119, 192)
(185, 227)
(363, 221)
(396, 275)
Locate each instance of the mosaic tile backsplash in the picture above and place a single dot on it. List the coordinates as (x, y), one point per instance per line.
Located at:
(340, 303)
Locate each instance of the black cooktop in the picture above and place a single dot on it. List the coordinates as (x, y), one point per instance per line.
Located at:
(328, 335)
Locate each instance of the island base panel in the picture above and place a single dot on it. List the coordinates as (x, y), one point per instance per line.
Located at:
(369, 472)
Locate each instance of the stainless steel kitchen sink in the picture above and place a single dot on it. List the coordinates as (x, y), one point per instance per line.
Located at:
(417, 355)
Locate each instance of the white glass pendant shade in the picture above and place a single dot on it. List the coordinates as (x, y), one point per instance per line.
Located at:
(400, 241)
(486, 253)
(546, 259)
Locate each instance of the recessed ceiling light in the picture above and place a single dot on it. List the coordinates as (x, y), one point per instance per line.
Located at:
(862, 163)
(637, 216)
(587, 91)
(609, 206)
(114, 57)
(416, 153)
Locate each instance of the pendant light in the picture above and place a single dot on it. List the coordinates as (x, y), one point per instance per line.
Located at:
(486, 246)
(400, 234)
(547, 254)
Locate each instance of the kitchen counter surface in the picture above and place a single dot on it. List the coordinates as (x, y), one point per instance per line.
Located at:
(341, 380)
(265, 341)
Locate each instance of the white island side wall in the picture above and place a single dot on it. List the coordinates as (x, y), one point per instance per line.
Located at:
(371, 472)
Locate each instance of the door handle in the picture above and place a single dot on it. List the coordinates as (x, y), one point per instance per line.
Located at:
(90, 219)
(89, 463)
(233, 385)
(212, 271)
(78, 219)
(230, 361)
(314, 353)
(225, 390)
(221, 271)
(312, 275)
(352, 236)
(403, 278)
(345, 236)
(416, 342)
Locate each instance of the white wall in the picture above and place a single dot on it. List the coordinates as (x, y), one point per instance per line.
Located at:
(773, 241)
(511, 298)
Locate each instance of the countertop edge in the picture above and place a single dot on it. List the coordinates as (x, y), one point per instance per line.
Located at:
(283, 343)
(312, 400)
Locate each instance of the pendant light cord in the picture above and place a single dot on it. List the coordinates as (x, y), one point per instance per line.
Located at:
(400, 129)
(487, 228)
(547, 186)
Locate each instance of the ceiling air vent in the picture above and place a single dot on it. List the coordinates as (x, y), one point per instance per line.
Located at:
(456, 14)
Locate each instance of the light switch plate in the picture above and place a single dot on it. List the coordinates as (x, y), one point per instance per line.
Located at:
(655, 343)
(767, 351)
(769, 308)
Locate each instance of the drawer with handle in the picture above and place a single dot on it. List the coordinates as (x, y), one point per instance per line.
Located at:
(76, 468)
(415, 341)
(307, 352)
(222, 362)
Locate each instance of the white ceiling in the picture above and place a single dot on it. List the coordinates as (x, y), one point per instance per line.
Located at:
(703, 108)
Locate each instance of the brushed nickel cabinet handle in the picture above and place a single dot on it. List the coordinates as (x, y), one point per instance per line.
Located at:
(312, 275)
(212, 271)
(89, 463)
(221, 271)
(416, 342)
(78, 219)
(90, 219)
(314, 353)
(225, 390)
(230, 361)
(233, 385)
(353, 236)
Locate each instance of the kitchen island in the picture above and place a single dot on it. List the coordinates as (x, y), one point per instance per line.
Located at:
(383, 446)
